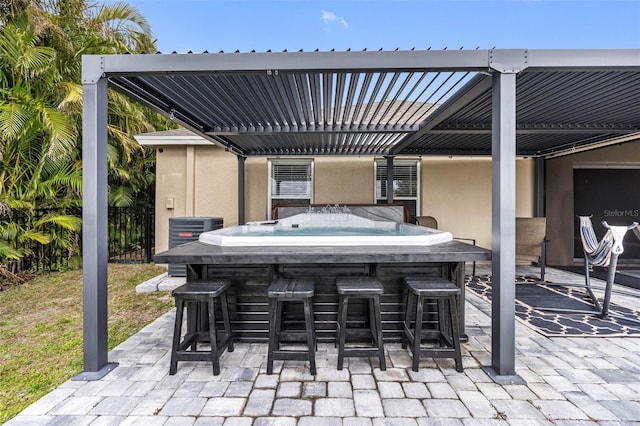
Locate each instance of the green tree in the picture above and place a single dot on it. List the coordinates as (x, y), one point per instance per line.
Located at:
(41, 44)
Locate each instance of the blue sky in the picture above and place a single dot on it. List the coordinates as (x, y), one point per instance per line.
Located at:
(245, 25)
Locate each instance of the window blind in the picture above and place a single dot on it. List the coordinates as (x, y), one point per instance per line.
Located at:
(291, 179)
(405, 179)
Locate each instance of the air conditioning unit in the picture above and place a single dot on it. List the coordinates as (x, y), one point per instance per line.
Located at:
(186, 229)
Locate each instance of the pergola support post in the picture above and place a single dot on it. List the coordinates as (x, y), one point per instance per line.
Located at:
(389, 159)
(241, 188)
(94, 229)
(503, 229)
(539, 207)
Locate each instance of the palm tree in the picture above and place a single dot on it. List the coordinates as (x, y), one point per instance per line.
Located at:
(41, 44)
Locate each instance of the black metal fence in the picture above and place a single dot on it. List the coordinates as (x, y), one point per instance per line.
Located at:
(131, 234)
(131, 239)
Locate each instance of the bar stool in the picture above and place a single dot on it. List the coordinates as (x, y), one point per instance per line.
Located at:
(360, 287)
(200, 299)
(447, 333)
(282, 291)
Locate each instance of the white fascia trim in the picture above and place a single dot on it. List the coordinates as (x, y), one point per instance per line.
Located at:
(157, 140)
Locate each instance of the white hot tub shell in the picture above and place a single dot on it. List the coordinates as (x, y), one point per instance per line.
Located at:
(325, 229)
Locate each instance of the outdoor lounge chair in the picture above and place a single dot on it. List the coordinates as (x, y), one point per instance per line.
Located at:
(531, 242)
(602, 253)
(432, 222)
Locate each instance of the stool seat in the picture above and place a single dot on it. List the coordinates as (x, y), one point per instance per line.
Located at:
(284, 291)
(447, 334)
(199, 298)
(432, 287)
(359, 287)
(291, 289)
(202, 289)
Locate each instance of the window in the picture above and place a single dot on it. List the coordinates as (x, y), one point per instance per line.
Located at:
(406, 183)
(291, 181)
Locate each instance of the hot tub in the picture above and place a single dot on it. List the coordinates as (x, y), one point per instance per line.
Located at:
(325, 229)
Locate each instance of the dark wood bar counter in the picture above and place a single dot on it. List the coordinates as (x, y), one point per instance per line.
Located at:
(252, 269)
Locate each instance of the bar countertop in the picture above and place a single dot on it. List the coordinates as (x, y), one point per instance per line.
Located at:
(200, 253)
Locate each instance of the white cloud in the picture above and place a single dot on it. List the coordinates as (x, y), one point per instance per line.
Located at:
(330, 17)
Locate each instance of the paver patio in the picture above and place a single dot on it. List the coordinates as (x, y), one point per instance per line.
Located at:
(569, 381)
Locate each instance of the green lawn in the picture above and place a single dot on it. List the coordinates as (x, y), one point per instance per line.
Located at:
(41, 328)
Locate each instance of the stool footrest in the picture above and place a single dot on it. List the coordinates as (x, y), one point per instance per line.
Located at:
(438, 352)
(292, 336)
(358, 352)
(291, 354)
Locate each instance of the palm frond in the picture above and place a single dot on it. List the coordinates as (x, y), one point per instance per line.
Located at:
(72, 100)
(35, 236)
(61, 129)
(13, 119)
(68, 222)
(121, 196)
(8, 252)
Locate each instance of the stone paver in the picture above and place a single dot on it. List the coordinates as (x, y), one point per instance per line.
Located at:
(339, 390)
(403, 408)
(314, 389)
(334, 407)
(562, 410)
(390, 390)
(183, 407)
(259, 403)
(446, 408)
(368, 403)
(292, 407)
(223, 407)
(415, 390)
(289, 389)
(76, 405)
(568, 381)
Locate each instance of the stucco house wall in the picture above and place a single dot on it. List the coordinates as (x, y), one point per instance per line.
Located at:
(197, 178)
(457, 191)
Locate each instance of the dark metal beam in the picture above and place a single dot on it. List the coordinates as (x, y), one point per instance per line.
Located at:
(271, 62)
(550, 130)
(583, 59)
(475, 87)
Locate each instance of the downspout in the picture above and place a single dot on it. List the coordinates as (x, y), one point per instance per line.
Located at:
(190, 181)
(539, 207)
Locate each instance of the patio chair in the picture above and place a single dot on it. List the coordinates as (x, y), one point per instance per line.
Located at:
(602, 253)
(432, 222)
(427, 221)
(531, 242)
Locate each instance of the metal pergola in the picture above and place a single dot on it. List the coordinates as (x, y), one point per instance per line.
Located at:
(503, 103)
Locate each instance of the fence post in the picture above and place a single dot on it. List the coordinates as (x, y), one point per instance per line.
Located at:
(147, 234)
